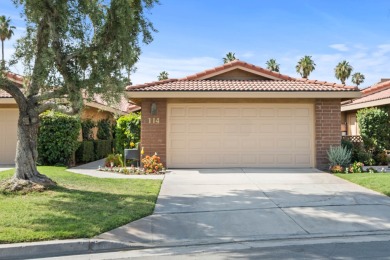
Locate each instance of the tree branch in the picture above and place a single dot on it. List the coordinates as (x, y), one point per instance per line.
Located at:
(14, 90)
(57, 107)
(57, 93)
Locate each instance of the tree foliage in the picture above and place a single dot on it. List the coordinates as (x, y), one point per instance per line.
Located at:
(163, 75)
(358, 78)
(230, 56)
(6, 32)
(305, 66)
(343, 70)
(272, 65)
(72, 50)
(374, 125)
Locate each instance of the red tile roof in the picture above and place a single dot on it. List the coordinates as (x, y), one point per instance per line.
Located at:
(276, 82)
(240, 85)
(123, 105)
(376, 92)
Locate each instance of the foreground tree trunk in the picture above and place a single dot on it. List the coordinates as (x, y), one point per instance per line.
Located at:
(27, 178)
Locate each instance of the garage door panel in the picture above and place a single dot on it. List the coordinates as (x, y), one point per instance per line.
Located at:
(267, 112)
(231, 112)
(240, 135)
(249, 112)
(195, 112)
(213, 112)
(177, 111)
(8, 135)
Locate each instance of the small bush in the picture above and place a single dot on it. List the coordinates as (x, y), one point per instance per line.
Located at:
(87, 126)
(347, 144)
(85, 152)
(381, 158)
(339, 156)
(116, 159)
(102, 148)
(356, 167)
(337, 169)
(104, 129)
(57, 139)
(152, 164)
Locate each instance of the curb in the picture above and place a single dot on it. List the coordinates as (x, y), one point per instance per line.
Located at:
(60, 248)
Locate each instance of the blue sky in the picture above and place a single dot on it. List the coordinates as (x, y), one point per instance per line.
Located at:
(194, 35)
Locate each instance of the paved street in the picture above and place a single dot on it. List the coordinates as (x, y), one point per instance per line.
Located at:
(223, 205)
(362, 247)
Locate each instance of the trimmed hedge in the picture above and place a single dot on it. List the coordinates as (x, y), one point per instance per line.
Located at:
(57, 139)
(89, 151)
(102, 148)
(85, 152)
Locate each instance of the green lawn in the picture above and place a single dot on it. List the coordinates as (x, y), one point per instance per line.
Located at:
(375, 181)
(80, 207)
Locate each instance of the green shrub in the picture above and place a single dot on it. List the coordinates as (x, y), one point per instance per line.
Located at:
(374, 125)
(57, 139)
(87, 126)
(339, 156)
(348, 144)
(85, 152)
(102, 148)
(104, 129)
(116, 159)
(128, 129)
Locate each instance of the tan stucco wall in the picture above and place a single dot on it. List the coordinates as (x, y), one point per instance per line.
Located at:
(238, 74)
(95, 115)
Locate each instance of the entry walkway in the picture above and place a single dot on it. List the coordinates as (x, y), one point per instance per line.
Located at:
(220, 205)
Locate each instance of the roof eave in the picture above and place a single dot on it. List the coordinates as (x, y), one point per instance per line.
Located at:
(242, 94)
(373, 103)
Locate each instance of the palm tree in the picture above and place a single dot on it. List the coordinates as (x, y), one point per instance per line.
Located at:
(342, 71)
(305, 66)
(272, 65)
(6, 32)
(163, 75)
(358, 78)
(230, 56)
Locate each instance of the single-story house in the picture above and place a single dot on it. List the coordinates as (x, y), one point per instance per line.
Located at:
(95, 109)
(377, 95)
(240, 115)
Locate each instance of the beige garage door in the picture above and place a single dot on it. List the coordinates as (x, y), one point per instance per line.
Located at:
(8, 137)
(240, 135)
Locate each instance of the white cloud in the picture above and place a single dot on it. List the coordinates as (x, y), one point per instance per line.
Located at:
(339, 47)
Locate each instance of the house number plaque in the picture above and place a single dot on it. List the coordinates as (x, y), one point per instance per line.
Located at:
(154, 120)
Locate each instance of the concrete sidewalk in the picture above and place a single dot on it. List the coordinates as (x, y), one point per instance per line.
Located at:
(222, 205)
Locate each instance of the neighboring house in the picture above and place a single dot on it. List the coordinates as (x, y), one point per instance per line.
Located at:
(375, 96)
(240, 115)
(95, 109)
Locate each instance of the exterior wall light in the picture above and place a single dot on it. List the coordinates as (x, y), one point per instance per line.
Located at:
(153, 109)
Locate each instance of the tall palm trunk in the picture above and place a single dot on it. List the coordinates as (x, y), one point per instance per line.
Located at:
(2, 55)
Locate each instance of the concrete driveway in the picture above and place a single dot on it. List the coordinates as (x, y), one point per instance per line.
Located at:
(222, 205)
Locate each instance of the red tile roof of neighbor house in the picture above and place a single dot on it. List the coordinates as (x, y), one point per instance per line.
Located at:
(277, 82)
(123, 105)
(376, 92)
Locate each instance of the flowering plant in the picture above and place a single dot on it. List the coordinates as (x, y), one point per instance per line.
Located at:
(337, 169)
(356, 167)
(152, 164)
